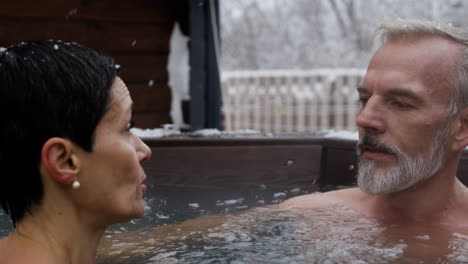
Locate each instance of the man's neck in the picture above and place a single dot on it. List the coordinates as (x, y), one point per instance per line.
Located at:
(433, 201)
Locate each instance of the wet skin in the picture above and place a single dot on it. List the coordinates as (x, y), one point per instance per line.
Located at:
(404, 95)
(111, 176)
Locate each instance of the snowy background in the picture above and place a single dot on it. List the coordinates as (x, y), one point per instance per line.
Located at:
(308, 34)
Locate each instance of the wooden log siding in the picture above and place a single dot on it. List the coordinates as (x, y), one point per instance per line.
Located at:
(274, 161)
(230, 162)
(135, 32)
(291, 101)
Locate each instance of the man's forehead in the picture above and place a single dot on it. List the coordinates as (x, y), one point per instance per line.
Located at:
(431, 60)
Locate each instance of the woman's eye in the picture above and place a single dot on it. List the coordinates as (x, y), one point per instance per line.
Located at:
(130, 125)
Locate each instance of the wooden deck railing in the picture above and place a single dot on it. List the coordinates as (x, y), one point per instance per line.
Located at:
(291, 101)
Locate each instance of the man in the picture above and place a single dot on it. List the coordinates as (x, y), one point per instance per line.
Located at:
(413, 124)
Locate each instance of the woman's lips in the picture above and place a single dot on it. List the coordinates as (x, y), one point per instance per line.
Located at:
(142, 185)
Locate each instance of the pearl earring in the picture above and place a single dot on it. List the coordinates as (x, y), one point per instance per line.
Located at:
(75, 184)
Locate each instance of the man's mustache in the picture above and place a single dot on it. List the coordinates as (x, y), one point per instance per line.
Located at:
(372, 141)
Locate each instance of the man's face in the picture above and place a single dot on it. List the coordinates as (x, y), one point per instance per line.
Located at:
(403, 123)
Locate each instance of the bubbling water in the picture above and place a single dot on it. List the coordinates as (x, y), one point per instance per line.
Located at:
(273, 235)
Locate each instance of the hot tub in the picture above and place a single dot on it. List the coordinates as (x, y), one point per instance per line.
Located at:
(199, 190)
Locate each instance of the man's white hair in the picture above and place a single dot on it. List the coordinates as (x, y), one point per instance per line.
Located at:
(403, 28)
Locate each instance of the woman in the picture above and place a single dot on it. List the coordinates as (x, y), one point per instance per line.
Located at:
(69, 164)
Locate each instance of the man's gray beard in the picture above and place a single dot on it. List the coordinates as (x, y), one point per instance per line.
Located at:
(407, 172)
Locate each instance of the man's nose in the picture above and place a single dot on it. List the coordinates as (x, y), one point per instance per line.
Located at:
(370, 117)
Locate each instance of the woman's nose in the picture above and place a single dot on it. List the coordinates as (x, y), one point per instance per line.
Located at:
(143, 151)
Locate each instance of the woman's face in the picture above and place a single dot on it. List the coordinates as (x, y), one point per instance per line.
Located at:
(111, 175)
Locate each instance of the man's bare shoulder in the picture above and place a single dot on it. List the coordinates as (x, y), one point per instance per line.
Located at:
(320, 200)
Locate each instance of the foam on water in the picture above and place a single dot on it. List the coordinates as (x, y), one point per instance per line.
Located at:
(273, 235)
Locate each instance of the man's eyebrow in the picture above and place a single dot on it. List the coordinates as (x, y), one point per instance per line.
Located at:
(404, 93)
(362, 90)
(395, 92)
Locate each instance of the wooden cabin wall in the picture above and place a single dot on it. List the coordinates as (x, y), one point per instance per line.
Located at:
(136, 33)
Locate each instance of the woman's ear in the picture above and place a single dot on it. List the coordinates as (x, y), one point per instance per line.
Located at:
(60, 160)
(461, 131)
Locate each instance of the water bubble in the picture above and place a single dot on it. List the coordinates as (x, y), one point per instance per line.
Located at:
(117, 66)
(73, 12)
(295, 190)
(279, 194)
(194, 205)
(2, 49)
(56, 47)
(161, 216)
(150, 83)
(234, 201)
(133, 43)
(423, 237)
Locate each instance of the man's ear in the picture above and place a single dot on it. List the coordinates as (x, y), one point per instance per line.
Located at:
(460, 139)
(60, 160)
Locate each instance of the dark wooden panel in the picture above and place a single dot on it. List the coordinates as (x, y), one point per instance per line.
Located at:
(252, 140)
(143, 68)
(146, 98)
(285, 165)
(151, 119)
(109, 37)
(103, 10)
(340, 168)
(13, 32)
(462, 170)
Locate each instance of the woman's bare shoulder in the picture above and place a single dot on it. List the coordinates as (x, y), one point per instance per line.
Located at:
(319, 200)
(12, 253)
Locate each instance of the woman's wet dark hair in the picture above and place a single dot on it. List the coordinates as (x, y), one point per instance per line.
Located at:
(47, 89)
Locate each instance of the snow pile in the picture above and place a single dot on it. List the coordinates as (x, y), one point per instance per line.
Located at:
(170, 130)
(342, 134)
(156, 132)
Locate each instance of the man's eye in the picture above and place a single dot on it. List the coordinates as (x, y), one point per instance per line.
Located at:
(400, 105)
(363, 100)
(130, 125)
